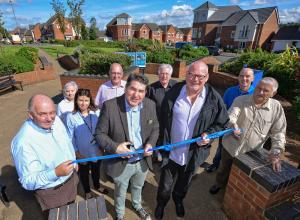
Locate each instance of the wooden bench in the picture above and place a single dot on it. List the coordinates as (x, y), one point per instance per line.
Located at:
(9, 82)
(45, 63)
(91, 209)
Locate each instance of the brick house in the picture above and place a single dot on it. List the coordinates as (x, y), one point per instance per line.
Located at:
(141, 30)
(50, 30)
(250, 29)
(179, 35)
(232, 27)
(156, 32)
(187, 34)
(36, 31)
(288, 36)
(120, 28)
(207, 20)
(169, 33)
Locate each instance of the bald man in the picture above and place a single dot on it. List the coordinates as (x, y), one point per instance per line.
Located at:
(190, 109)
(42, 152)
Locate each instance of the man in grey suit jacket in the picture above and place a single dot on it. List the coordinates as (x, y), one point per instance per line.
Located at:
(128, 123)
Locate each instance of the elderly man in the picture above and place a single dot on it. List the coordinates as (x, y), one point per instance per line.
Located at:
(43, 152)
(158, 89)
(112, 88)
(190, 109)
(244, 87)
(128, 123)
(260, 116)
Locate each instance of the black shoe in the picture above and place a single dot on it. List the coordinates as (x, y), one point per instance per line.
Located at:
(159, 212)
(214, 189)
(211, 168)
(179, 209)
(143, 214)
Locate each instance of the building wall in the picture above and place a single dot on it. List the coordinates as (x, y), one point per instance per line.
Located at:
(269, 28)
(226, 40)
(156, 36)
(37, 32)
(282, 44)
(58, 35)
(210, 33)
(143, 33)
(116, 32)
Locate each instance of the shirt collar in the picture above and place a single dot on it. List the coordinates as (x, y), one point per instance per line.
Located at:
(250, 90)
(201, 94)
(134, 109)
(40, 129)
(266, 106)
(122, 85)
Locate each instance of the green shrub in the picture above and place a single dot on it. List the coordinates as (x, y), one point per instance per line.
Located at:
(29, 53)
(160, 57)
(99, 64)
(189, 53)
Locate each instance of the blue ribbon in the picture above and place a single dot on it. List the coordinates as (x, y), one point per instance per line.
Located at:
(167, 147)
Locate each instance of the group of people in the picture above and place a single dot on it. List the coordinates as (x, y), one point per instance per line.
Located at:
(132, 115)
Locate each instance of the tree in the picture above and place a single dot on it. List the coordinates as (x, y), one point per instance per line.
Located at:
(93, 29)
(60, 11)
(84, 32)
(75, 15)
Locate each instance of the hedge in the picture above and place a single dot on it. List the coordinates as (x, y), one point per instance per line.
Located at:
(99, 64)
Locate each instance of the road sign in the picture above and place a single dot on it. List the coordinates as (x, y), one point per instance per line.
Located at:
(138, 58)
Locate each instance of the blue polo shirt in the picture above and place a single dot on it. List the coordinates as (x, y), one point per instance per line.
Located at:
(233, 92)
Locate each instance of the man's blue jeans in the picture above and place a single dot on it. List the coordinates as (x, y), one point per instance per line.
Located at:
(133, 173)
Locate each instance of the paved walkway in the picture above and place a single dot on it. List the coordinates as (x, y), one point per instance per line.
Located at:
(199, 203)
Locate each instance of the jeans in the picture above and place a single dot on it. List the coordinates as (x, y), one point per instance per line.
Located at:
(135, 174)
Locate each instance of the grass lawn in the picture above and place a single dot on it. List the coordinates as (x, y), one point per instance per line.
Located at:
(61, 50)
(8, 50)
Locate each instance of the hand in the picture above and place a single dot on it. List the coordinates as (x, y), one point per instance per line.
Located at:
(146, 148)
(276, 164)
(237, 131)
(204, 140)
(79, 155)
(64, 169)
(122, 149)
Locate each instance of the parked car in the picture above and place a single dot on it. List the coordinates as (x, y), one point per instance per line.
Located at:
(213, 50)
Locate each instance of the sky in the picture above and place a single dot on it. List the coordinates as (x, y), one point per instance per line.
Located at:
(179, 12)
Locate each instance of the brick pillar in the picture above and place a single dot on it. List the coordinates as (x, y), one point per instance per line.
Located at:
(253, 186)
(179, 69)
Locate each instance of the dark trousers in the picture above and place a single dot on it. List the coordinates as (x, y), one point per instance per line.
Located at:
(218, 155)
(173, 174)
(84, 170)
(224, 169)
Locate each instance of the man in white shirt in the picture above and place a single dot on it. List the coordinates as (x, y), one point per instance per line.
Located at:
(113, 88)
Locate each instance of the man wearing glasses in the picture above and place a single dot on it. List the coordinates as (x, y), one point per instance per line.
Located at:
(190, 109)
(113, 88)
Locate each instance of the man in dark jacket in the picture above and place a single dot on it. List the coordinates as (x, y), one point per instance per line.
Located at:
(190, 109)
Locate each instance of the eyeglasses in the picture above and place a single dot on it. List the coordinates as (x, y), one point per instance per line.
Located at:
(193, 76)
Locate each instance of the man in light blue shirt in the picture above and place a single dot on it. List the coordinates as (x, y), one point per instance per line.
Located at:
(42, 152)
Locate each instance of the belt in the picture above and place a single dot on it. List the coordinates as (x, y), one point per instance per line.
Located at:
(60, 185)
(134, 162)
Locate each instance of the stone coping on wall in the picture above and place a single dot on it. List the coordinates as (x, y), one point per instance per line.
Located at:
(257, 166)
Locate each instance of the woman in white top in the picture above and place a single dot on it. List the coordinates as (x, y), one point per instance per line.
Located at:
(67, 104)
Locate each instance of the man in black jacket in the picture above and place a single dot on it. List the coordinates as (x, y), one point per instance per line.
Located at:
(190, 109)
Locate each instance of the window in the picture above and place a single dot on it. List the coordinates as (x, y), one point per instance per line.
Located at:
(242, 45)
(246, 31)
(125, 32)
(194, 34)
(232, 34)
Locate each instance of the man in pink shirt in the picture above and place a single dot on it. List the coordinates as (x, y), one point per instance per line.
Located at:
(112, 88)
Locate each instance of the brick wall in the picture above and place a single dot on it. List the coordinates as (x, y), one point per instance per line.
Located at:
(38, 75)
(210, 34)
(226, 36)
(253, 186)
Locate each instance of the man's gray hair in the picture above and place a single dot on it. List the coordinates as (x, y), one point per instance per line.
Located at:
(30, 104)
(271, 80)
(165, 66)
(68, 84)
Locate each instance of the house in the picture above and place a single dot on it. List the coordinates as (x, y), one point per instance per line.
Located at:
(179, 35)
(232, 27)
(156, 32)
(51, 30)
(141, 30)
(187, 34)
(288, 36)
(250, 29)
(36, 31)
(101, 35)
(120, 28)
(207, 21)
(169, 33)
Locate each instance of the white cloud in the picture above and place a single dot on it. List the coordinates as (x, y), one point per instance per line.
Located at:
(290, 15)
(179, 15)
(261, 2)
(6, 1)
(235, 2)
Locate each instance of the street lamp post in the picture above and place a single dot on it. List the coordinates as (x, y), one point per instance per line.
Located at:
(13, 10)
(166, 28)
